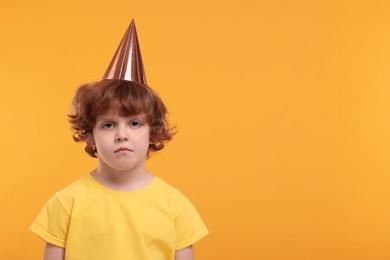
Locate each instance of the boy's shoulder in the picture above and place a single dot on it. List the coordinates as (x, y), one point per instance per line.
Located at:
(77, 188)
(84, 187)
(171, 190)
(174, 195)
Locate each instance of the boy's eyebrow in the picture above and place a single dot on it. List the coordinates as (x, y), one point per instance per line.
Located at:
(141, 117)
(104, 118)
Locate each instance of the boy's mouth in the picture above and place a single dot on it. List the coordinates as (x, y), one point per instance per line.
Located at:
(122, 149)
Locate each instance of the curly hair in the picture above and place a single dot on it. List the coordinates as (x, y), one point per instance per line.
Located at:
(126, 97)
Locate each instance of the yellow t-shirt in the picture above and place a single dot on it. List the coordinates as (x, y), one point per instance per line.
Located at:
(93, 222)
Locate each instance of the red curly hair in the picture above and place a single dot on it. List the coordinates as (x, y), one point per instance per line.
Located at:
(126, 97)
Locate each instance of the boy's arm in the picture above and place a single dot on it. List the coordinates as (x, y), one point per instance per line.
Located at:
(185, 254)
(53, 252)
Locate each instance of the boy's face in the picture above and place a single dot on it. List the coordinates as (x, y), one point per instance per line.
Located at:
(122, 143)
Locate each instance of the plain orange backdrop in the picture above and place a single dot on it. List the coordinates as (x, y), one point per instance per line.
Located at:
(282, 109)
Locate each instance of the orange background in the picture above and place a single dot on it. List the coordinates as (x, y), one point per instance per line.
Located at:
(282, 109)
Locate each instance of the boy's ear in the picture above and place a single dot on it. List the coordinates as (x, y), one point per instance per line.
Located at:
(90, 140)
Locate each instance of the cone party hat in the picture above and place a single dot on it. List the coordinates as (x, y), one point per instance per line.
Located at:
(127, 61)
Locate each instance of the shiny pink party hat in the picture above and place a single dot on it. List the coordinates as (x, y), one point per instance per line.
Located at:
(127, 61)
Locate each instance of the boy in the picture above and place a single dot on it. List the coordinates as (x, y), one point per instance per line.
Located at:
(119, 210)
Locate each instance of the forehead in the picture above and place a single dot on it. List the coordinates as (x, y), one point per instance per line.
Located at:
(113, 114)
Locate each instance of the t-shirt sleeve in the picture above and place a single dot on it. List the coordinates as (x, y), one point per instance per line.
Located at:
(189, 226)
(52, 223)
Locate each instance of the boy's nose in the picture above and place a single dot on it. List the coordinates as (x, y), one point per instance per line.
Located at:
(121, 135)
(121, 138)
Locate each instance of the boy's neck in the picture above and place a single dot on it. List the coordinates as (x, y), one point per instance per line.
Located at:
(122, 180)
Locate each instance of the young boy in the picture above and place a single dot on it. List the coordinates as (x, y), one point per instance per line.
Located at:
(119, 210)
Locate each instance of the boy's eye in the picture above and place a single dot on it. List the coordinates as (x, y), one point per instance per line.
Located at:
(108, 125)
(135, 123)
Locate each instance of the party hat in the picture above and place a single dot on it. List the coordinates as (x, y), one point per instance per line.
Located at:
(127, 61)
